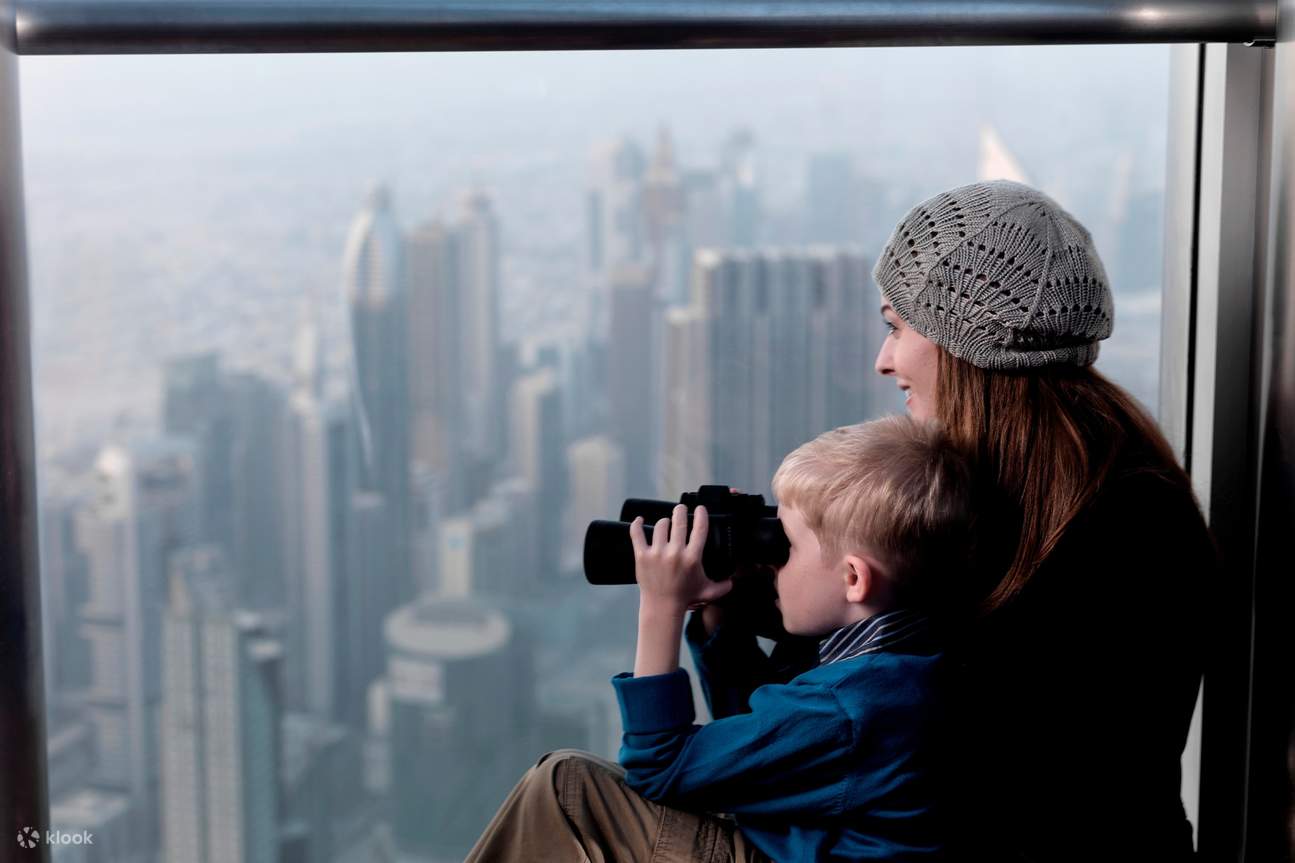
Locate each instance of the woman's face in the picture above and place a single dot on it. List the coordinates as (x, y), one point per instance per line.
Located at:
(911, 358)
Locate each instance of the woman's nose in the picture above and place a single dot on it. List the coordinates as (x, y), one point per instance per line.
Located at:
(882, 363)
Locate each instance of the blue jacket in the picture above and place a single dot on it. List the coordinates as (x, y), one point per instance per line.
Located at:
(835, 764)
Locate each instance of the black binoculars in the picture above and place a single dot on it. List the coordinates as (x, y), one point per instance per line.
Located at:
(743, 530)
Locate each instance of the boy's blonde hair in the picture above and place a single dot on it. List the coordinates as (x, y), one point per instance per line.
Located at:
(895, 488)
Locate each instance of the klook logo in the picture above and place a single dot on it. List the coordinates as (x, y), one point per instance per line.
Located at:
(29, 837)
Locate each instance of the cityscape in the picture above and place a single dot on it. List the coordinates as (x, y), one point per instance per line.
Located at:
(311, 542)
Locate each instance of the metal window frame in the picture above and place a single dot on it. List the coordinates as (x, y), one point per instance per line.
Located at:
(1178, 302)
(1269, 804)
(1216, 242)
(1211, 336)
(23, 779)
(204, 26)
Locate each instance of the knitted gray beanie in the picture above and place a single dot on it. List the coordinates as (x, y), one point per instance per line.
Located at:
(998, 274)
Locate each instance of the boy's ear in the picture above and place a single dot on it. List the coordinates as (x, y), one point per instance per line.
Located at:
(859, 575)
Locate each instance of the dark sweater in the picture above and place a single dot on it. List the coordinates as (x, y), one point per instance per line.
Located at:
(1071, 705)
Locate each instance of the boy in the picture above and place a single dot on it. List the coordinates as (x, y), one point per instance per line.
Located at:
(836, 763)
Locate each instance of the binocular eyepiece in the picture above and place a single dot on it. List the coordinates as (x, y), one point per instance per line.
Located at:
(743, 530)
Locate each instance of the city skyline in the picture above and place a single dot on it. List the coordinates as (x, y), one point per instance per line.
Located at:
(379, 470)
(224, 204)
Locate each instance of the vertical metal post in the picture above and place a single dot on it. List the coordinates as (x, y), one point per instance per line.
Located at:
(1270, 806)
(1232, 213)
(23, 802)
(1178, 290)
(1177, 310)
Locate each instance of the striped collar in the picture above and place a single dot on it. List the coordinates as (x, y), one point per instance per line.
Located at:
(874, 634)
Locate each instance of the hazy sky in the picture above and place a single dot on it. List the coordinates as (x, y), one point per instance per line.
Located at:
(386, 104)
(176, 203)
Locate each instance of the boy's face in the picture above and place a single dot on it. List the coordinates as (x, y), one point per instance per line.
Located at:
(811, 595)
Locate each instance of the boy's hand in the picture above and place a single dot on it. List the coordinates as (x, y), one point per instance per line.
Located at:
(669, 571)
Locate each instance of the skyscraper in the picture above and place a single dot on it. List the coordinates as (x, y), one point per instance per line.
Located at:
(374, 278)
(456, 386)
(233, 420)
(617, 225)
(220, 720)
(783, 341)
(315, 529)
(369, 596)
(596, 479)
(144, 508)
(64, 571)
(106, 815)
(663, 205)
(537, 452)
(193, 406)
(256, 556)
(478, 247)
(426, 509)
(461, 693)
(456, 551)
(686, 408)
(435, 350)
(740, 185)
(632, 393)
(320, 770)
(491, 549)
(996, 160)
(831, 199)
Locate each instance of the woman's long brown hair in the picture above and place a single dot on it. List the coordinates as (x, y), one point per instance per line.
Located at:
(1046, 440)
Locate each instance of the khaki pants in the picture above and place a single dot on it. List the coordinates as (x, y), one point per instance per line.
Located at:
(575, 806)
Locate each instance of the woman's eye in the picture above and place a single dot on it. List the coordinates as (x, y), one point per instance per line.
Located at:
(891, 328)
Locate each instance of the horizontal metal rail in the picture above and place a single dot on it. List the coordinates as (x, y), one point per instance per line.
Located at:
(313, 26)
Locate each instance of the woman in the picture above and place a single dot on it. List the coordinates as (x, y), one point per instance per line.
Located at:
(1076, 672)
(1077, 675)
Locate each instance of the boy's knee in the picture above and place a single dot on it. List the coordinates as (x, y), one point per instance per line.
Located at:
(566, 769)
(557, 755)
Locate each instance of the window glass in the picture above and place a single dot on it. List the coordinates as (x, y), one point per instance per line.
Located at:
(336, 357)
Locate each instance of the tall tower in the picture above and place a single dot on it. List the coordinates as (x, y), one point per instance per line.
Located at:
(233, 420)
(315, 524)
(194, 406)
(367, 600)
(537, 450)
(686, 436)
(783, 341)
(64, 571)
(461, 695)
(632, 395)
(663, 206)
(456, 386)
(996, 160)
(256, 556)
(739, 182)
(431, 260)
(596, 479)
(144, 509)
(374, 278)
(220, 720)
(831, 199)
(478, 249)
(490, 550)
(617, 229)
